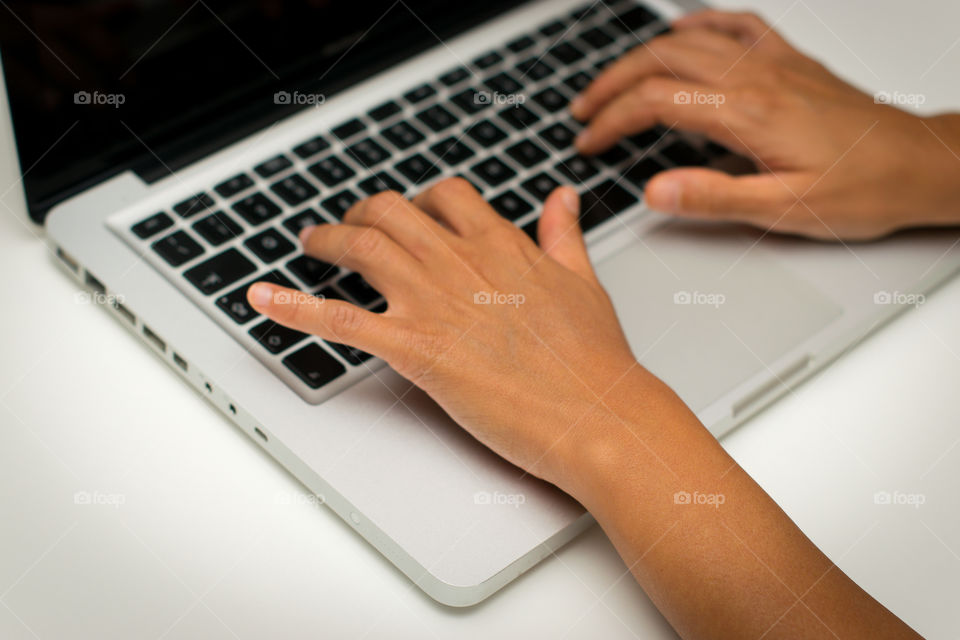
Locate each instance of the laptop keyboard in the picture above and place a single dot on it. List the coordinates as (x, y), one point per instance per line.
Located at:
(244, 228)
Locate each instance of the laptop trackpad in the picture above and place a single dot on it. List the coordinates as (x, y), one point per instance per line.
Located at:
(704, 309)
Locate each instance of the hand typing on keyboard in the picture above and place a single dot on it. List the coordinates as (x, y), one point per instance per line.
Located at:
(833, 163)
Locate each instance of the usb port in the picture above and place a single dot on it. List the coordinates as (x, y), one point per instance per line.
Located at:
(156, 340)
(126, 313)
(95, 284)
(180, 362)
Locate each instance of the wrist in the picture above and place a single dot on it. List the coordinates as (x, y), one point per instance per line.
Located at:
(941, 163)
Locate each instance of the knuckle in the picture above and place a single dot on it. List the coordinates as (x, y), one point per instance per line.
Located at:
(451, 188)
(383, 201)
(345, 319)
(365, 243)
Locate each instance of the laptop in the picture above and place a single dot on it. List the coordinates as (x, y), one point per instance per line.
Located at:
(172, 151)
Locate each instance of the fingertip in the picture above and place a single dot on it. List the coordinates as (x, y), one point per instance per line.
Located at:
(578, 107)
(304, 234)
(663, 193)
(260, 295)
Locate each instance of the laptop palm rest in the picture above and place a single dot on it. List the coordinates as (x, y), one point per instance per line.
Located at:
(705, 309)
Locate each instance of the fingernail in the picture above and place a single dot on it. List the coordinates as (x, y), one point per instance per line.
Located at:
(666, 195)
(571, 200)
(577, 105)
(305, 233)
(260, 295)
(583, 139)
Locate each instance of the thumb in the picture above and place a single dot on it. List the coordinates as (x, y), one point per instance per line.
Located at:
(560, 234)
(705, 193)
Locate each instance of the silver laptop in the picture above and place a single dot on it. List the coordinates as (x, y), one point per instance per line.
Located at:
(172, 154)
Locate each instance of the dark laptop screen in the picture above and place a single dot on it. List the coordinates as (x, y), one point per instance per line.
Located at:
(101, 86)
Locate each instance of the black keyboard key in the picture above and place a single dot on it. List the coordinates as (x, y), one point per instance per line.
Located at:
(487, 60)
(577, 168)
(368, 153)
(418, 169)
(294, 189)
(614, 155)
(602, 202)
(331, 171)
(311, 147)
(648, 138)
(306, 218)
(381, 181)
(493, 171)
(218, 228)
(419, 94)
(558, 136)
(276, 338)
(384, 111)
(553, 28)
(682, 154)
(311, 270)
(235, 304)
(233, 186)
(520, 44)
(472, 101)
(177, 248)
(272, 166)
(269, 245)
(519, 117)
(527, 153)
(632, 20)
(352, 355)
(551, 100)
(314, 366)
(535, 69)
(578, 81)
(454, 76)
(540, 186)
(503, 83)
(452, 151)
(403, 135)
(359, 289)
(566, 53)
(152, 225)
(595, 38)
(256, 208)
(193, 205)
(640, 173)
(531, 229)
(603, 63)
(486, 133)
(220, 271)
(348, 129)
(338, 204)
(437, 118)
(511, 206)
(330, 293)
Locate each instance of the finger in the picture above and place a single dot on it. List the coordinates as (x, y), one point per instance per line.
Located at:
(705, 193)
(748, 28)
(382, 262)
(457, 204)
(560, 234)
(657, 101)
(332, 320)
(397, 217)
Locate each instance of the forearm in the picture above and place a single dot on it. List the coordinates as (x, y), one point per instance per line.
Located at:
(943, 169)
(713, 551)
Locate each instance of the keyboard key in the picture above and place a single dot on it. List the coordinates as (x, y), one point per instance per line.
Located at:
(331, 171)
(403, 135)
(338, 204)
(385, 111)
(540, 186)
(330, 293)
(558, 136)
(358, 289)
(472, 101)
(648, 138)
(487, 60)
(595, 38)
(314, 366)
(486, 133)
(311, 147)
(682, 154)
(551, 100)
(520, 44)
(419, 94)
(269, 245)
(351, 354)
(578, 81)
(220, 271)
(452, 151)
(632, 20)
(368, 153)
(535, 69)
(294, 189)
(218, 228)
(235, 304)
(276, 338)
(312, 271)
(418, 169)
(177, 248)
(566, 53)
(273, 166)
(519, 117)
(454, 76)
(152, 225)
(577, 168)
(527, 153)
(511, 206)
(640, 173)
(193, 205)
(614, 155)
(306, 218)
(602, 202)
(531, 229)
(553, 28)
(233, 186)
(256, 208)
(348, 129)
(437, 118)
(503, 83)
(381, 181)
(493, 171)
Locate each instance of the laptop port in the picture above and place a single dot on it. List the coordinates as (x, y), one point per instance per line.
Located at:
(68, 260)
(126, 313)
(257, 431)
(154, 339)
(95, 284)
(180, 362)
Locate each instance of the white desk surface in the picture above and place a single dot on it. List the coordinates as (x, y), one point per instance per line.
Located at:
(213, 541)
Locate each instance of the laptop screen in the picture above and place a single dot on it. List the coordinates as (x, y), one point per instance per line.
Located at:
(100, 86)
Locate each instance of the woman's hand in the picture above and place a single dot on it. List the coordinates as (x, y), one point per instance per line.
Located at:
(833, 163)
